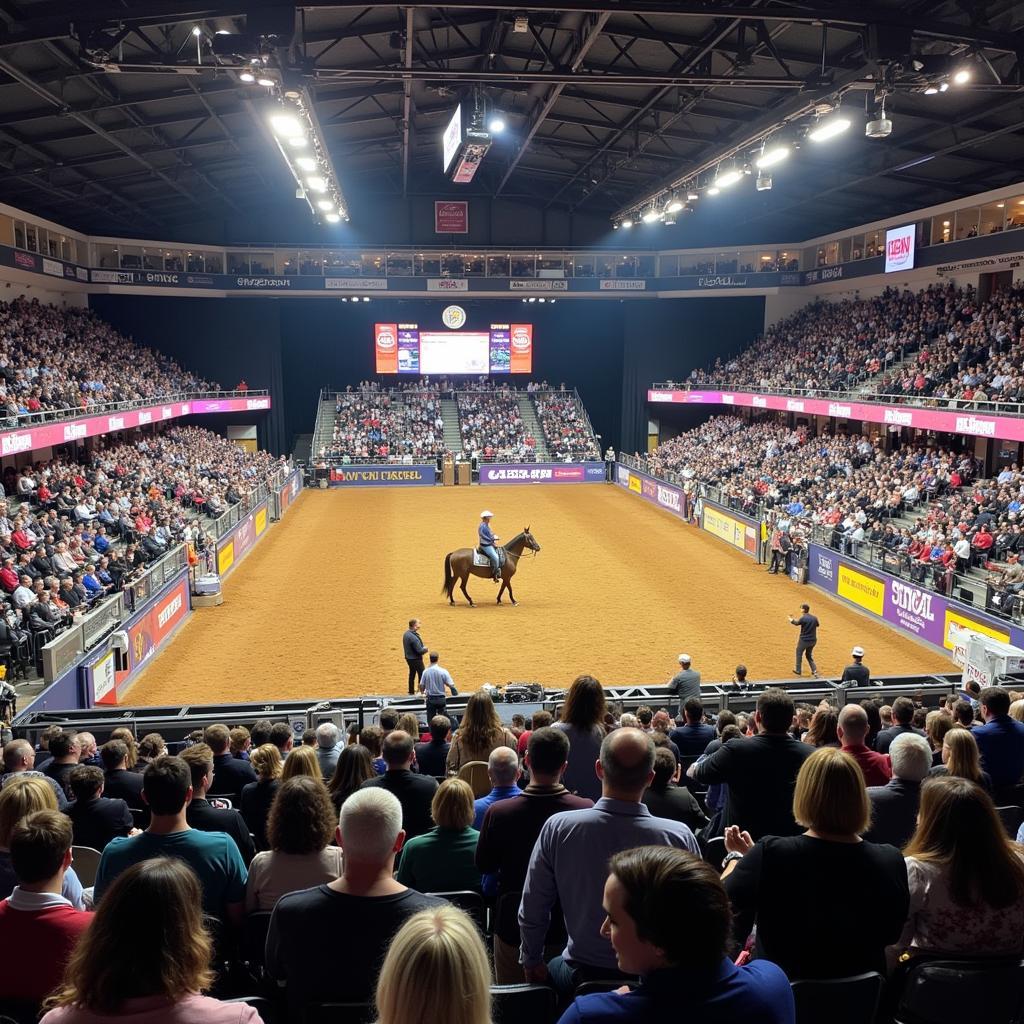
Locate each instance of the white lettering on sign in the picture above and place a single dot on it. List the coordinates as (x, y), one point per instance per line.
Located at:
(661, 396)
(16, 443)
(73, 431)
(793, 405)
(761, 403)
(837, 409)
(168, 610)
(166, 412)
(145, 417)
(115, 423)
(728, 400)
(257, 403)
(668, 498)
(900, 418)
(912, 600)
(973, 425)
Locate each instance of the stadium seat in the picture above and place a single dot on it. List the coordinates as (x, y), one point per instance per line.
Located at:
(471, 902)
(252, 941)
(589, 988)
(954, 991)
(522, 1004)
(714, 852)
(852, 1000)
(475, 773)
(1011, 817)
(223, 801)
(86, 862)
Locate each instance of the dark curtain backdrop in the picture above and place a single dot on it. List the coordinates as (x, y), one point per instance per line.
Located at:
(610, 350)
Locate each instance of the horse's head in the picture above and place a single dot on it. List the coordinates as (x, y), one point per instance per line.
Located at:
(528, 538)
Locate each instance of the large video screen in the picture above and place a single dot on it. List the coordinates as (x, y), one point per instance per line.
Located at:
(404, 348)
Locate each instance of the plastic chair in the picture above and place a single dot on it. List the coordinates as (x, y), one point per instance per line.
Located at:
(471, 902)
(1011, 817)
(252, 940)
(714, 852)
(475, 773)
(515, 1004)
(852, 1000)
(86, 862)
(952, 991)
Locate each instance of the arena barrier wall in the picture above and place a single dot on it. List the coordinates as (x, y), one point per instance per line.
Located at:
(281, 500)
(657, 492)
(922, 613)
(542, 473)
(238, 542)
(742, 532)
(382, 476)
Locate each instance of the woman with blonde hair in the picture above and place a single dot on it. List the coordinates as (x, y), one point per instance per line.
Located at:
(443, 859)
(302, 761)
(831, 803)
(1017, 710)
(23, 795)
(583, 723)
(408, 722)
(960, 757)
(113, 975)
(258, 796)
(480, 732)
(127, 737)
(435, 972)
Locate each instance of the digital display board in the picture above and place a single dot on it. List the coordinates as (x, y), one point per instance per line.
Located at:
(405, 348)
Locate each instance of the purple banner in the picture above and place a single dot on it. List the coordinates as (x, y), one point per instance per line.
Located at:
(655, 491)
(408, 350)
(501, 350)
(371, 475)
(543, 473)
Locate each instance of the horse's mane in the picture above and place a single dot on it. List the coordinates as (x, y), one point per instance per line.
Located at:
(519, 536)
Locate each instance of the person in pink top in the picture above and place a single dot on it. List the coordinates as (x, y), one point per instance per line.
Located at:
(113, 977)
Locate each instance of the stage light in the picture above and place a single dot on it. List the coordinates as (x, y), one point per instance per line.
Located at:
(931, 90)
(531, 299)
(763, 182)
(267, 83)
(542, 300)
(692, 197)
(196, 31)
(962, 76)
(496, 124)
(551, 302)
(298, 141)
(325, 204)
(247, 76)
(714, 190)
(627, 222)
(944, 87)
(650, 216)
(674, 205)
(728, 177)
(771, 157)
(285, 125)
(829, 128)
(305, 163)
(615, 226)
(316, 183)
(669, 218)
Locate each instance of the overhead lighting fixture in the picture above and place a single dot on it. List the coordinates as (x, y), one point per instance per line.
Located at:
(944, 87)
(366, 298)
(962, 76)
(247, 76)
(196, 31)
(627, 222)
(669, 218)
(879, 125)
(770, 156)
(728, 177)
(331, 218)
(305, 163)
(298, 141)
(325, 204)
(714, 190)
(829, 128)
(532, 298)
(675, 204)
(763, 182)
(286, 125)
(496, 123)
(692, 197)
(615, 225)
(542, 300)
(316, 183)
(650, 216)
(267, 83)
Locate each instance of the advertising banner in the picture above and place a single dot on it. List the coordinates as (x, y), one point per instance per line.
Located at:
(451, 217)
(383, 475)
(916, 610)
(951, 421)
(899, 248)
(385, 345)
(521, 353)
(740, 532)
(289, 492)
(236, 543)
(665, 496)
(543, 473)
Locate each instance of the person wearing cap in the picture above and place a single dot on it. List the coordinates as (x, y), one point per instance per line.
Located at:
(487, 541)
(857, 674)
(685, 683)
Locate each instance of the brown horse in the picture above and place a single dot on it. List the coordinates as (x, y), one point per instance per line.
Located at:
(458, 567)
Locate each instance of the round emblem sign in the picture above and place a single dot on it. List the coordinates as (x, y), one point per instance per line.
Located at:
(453, 317)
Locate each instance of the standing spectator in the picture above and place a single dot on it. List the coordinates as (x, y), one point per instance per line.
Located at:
(116, 976)
(583, 722)
(649, 891)
(431, 756)
(852, 731)
(903, 722)
(479, 733)
(328, 748)
(201, 814)
(831, 803)
(370, 835)
(301, 825)
(353, 769)
(232, 774)
(808, 625)
(258, 796)
(685, 683)
(693, 736)
(413, 648)
(665, 799)
(857, 674)
(503, 771)
(442, 860)
(414, 792)
(894, 805)
(95, 818)
(760, 771)
(39, 928)
(507, 836)
(434, 681)
(1001, 744)
(569, 861)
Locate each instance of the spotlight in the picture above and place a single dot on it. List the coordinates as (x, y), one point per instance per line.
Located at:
(344, 299)
(669, 218)
(829, 128)
(551, 302)
(542, 300)
(196, 31)
(524, 300)
(880, 126)
(674, 205)
(944, 87)
(531, 299)
(298, 141)
(615, 225)
(627, 222)
(366, 298)
(316, 183)
(962, 76)
(726, 178)
(247, 76)
(692, 197)
(267, 83)
(285, 125)
(931, 90)
(496, 124)
(771, 157)
(305, 163)
(714, 190)
(650, 216)
(763, 182)
(325, 204)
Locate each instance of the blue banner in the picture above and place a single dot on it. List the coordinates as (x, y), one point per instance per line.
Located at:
(382, 475)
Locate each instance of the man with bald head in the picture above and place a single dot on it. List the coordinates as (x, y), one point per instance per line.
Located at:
(853, 730)
(569, 864)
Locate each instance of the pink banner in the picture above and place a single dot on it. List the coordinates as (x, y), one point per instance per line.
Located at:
(49, 434)
(950, 421)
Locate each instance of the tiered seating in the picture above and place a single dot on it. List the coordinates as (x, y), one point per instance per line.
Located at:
(371, 423)
(491, 426)
(567, 432)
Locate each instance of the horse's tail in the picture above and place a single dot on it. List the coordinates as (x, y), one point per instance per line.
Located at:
(449, 579)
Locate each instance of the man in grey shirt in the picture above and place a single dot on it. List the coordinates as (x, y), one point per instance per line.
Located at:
(434, 681)
(327, 749)
(685, 683)
(569, 864)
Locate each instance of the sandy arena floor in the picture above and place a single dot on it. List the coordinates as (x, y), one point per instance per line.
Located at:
(619, 589)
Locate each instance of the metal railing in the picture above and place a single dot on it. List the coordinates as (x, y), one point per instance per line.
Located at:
(231, 517)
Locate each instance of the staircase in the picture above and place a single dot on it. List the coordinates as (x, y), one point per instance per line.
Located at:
(868, 388)
(302, 448)
(450, 415)
(531, 424)
(323, 431)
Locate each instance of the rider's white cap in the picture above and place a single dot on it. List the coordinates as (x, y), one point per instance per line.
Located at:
(486, 514)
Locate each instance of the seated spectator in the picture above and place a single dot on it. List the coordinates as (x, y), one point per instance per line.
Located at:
(95, 818)
(431, 756)
(231, 774)
(282, 737)
(960, 758)
(903, 719)
(214, 856)
(479, 733)
(127, 737)
(370, 835)
(354, 767)
(936, 725)
(894, 805)
(119, 782)
(201, 814)
(258, 796)
(65, 751)
(39, 928)
(504, 772)
(88, 752)
(301, 761)
(583, 722)
(666, 799)
(694, 735)
(115, 976)
(823, 730)
(442, 860)
(435, 952)
(300, 828)
(831, 803)
(852, 729)
(539, 720)
(958, 908)
(19, 760)
(240, 742)
(649, 891)
(151, 746)
(372, 737)
(1001, 744)
(410, 723)
(23, 795)
(328, 748)
(414, 792)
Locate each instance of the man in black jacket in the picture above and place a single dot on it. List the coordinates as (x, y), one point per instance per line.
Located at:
(94, 818)
(231, 774)
(903, 722)
(894, 806)
(65, 750)
(201, 814)
(414, 648)
(119, 783)
(414, 792)
(857, 674)
(760, 771)
(432, 757)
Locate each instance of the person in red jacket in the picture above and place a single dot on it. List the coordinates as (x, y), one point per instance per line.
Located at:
(39, 928)
(981, 543)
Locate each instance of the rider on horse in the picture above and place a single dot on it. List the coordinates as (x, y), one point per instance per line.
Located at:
(487, 542)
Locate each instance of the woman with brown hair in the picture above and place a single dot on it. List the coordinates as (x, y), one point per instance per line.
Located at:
(823, 731)
(302, 761)
(257, 796)
(582, 722)
(354, 767)
(408, 722)
(151, 746)
(966, 877)
(936, 725)
(127, 737)
(300, 828)
(113, 975)
(480, 732)
(960, 757)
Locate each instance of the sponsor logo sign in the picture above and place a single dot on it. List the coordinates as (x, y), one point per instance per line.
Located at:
(53, 267)
(447, 284)
(659, 396)
(538, 285)
(723, 526)
(160, 278)
(823, 568)
(74, 431)
(356, 284)
(823, 274)
(260, 521)
(652, 490)
(166, 412)
(103, 678)
(669, 497)
(621, 475)
(378, 476)
(453, 317)
(13, 443)
(728, 400)
(112, 276)
(759, 402)
(145, 417)
(899, 248)
(899, 417)
(81, 274)
(866, 591)
(543, 473)
(721, 281)
(624, 285)
(115, 423)
(838, 409)
(265, 282)
(975, 425)
(257, 403)
(794, 405)
(25, 260)
(451, 217)
(635, 485)
(648, 488)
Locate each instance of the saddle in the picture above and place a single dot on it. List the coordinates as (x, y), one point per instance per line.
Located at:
(479, 558)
